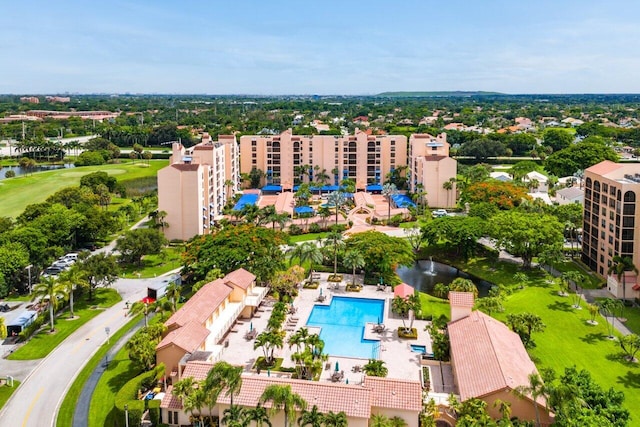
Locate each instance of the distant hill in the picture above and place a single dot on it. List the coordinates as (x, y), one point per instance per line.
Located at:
(436, 94)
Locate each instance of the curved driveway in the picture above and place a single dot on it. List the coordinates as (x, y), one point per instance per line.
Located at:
(35, 403)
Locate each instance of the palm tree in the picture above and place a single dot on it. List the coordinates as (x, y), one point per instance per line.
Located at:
(233, 416)
(335, 237)
(283, 398)
(610, 306)
(397, 422)
(71, 279)
(375, 368)
(311, 418)
(379, 420)
(332, 419)
(224, 376)
(448, 185)
(307, 251)
(441, 290)
(173, 295)
(51, 290)
(463, 285)
(353, 259)
(619, 266)
(535, 390)
(389, 190)
(141, 307)
(337, 199)
(269, 341)
(258, 415)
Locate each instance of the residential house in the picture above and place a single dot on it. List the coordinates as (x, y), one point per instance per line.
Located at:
(200, 324)
(490, 362)
(570, 195)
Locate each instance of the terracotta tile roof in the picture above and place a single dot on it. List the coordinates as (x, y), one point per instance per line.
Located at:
(604, 167)
(395, 393)
(487, 356)
(188, 337)
(461, 299)
(186, 167)
(354, 400)
(403, 290)
(240, 277)
(169, 401)
(201, 305)
(197, 370)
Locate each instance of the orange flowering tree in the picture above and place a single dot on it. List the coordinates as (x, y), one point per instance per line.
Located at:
(504, 195)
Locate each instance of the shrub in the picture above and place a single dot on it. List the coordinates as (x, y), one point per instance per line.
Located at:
(89, 158)
(315, 228)
(128, 395)
(9, 174)
(295, 230)
(32, 328)
(411, 334)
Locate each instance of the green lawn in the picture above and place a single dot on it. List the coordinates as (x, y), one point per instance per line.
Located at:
(16, 193)
(6, 392)
(307, 237)
(433, 306)
(120, 371)
(43, 342)
(67, 409)
(592, 281)
(155, 265)
(569, 340)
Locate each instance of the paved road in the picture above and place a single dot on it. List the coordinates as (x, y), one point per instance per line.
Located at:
(36, 402)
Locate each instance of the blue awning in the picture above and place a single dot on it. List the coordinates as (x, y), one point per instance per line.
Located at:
(272, 187)
(330, 188)
(296, 188)
(402, 201)
(374, 187)
(304, 210)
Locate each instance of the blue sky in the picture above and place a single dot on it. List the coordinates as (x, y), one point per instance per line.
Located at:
(312, 47)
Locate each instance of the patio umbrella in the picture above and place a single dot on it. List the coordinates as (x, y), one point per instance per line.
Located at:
(250, 326)
(337, 366)
(379, 320)
(347, 381)
(268, 372)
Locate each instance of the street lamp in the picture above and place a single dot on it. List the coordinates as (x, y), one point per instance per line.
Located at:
(126, 415)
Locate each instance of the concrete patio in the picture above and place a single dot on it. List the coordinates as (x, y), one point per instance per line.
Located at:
(397, 354)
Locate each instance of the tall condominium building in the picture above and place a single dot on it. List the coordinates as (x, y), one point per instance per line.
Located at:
(289, 160)
(195, 186)
(431, 167)
(611, 221)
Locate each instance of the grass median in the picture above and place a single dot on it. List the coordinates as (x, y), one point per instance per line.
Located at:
(44, 342)
(68, 407)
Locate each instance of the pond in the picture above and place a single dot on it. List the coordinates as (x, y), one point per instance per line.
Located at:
(424, 275)
(39, 168)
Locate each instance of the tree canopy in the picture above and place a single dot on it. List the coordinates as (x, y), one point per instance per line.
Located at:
(579, 156)
(381, 253)
(257, 249)
(526, 234)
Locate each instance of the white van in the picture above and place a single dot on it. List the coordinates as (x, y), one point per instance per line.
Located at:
(71, 256)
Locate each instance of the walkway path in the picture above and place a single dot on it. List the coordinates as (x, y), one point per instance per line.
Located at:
(81, 414)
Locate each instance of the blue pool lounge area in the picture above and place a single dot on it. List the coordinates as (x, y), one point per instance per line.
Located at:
(246, 199)
(343, 325)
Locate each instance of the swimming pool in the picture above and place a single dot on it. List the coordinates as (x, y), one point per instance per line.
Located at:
(342, 326)
(246, 199)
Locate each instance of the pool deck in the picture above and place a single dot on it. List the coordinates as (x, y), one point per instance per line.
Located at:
(401, 362)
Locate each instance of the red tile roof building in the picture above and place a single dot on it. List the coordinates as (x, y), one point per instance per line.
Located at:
(489, 362)
(376, 395)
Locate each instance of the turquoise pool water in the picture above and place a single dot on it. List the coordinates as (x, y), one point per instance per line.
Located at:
(419, 348)
(342, 324)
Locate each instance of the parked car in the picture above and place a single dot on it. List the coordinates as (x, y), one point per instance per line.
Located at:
(438, 213)
(70, 256)
(52, 271)
(63, 263)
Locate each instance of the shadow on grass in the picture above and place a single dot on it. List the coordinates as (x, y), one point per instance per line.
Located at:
(560, 306)
(116, 382)
(630, 380)
(594, 338)
(621, 357)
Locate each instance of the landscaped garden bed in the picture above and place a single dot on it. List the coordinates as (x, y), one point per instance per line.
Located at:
(334, 278)
(406, 333)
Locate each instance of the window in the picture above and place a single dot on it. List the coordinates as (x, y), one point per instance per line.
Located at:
(605, 187)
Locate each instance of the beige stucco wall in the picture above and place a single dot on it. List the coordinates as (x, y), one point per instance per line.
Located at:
(410, 417)
(320, 151)
(432, 174)
(521, 408)
(180, 196)
(170, 356)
